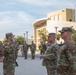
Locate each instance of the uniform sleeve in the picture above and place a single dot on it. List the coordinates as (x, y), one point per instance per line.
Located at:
(71, 57)
(52, 53)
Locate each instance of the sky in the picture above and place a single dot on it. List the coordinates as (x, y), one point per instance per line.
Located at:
(17, 16)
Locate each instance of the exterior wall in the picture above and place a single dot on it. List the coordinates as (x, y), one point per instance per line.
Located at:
(70, 15)
(30, 40)
(62, 15)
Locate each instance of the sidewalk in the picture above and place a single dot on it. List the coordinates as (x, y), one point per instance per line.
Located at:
(20, 53)
(28, 66)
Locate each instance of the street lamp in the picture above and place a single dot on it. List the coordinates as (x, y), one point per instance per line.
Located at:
(56, 31)
(27, 36)
(24, 36)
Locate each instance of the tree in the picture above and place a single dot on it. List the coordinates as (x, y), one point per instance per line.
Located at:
(19, 39)
(43, 34)
(58, 36)
(74, 35)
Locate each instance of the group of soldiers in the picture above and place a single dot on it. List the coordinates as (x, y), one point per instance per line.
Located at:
(26, 48)
(60, 59)
(9, 51)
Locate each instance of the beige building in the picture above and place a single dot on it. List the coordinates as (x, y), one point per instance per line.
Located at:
(52, 21)
(62, 15)
(39, 25)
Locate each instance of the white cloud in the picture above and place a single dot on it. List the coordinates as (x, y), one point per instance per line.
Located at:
(10, 3)
(38, 2)
(47, 2)
(24, 17)
(16, 22)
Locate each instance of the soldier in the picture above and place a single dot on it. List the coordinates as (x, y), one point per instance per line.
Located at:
(10, 56)
(33, 49)
(16, 47)
(67, 59)
(25, 49)
(42, 48)
(50, 56)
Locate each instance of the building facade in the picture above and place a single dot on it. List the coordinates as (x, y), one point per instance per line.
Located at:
(51, 22)
(62, 15)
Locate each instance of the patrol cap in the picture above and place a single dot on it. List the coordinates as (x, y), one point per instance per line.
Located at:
(64, 29)
(51, 34)
(9, 34)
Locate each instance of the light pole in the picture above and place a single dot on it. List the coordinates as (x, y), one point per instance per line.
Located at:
(27, 37)
(56, 32)
(24, 36)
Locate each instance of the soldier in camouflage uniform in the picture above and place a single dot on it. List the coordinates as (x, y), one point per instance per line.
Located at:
(33, 49)
(42, 48)
(50, 56)
(25, 49)
(67, 59)
(10, 55)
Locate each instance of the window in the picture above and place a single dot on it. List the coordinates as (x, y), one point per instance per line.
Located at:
(56, 18)
(60, 18)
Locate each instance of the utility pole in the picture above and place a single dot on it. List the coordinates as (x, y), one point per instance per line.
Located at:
(27, 37)
(24, 36)
(56, 32)
(75, 11)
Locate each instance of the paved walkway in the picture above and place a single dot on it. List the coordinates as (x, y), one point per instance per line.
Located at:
(28, 66)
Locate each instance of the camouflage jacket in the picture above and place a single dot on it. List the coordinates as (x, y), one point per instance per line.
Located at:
(10, 52)
(51, 56)
(1, 49)
(67, 61)
(32, 47)
(25, 47)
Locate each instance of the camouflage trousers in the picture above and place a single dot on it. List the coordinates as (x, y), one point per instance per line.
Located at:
(33, 54)
(51, 71)
(7, 70)
(25, 54)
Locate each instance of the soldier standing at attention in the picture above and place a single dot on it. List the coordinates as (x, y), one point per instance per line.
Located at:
(25, 49)
(67, 59)
(10, 56)
(50, 56)
(33, 49)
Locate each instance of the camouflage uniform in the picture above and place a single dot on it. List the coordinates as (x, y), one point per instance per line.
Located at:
(67, 59)
(42, 48)
(10, 56)
(1, 49)
(33, 49)
(51, 58)
(25, 49)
